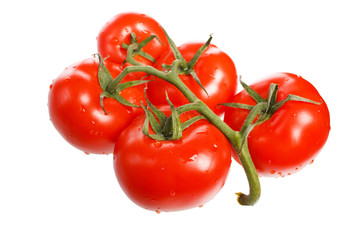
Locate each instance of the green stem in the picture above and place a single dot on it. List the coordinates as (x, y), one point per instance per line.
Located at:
(111, 88)
(236, 138)
(251, 174)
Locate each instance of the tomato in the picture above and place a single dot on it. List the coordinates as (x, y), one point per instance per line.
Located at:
(215, 70)
(117, 31)
(296, 132)
(172, 175)
(75, 111)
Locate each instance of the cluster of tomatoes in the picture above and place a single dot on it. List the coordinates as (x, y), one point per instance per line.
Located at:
(178, 174)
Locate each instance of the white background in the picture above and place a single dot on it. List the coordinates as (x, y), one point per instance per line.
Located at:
(49, 190)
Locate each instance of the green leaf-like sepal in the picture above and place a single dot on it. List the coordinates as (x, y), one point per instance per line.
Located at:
(136, 48)
(197, 80)
(123, 101)
(150, 119)
(252, 92)
(104, 75)
(194, 60)
(238, 105)
(292, 97)
(173, 47)
(102, 96)
(176, 130)
(123, 86)
(197, 55)
(189, 122)
(116, 95)
(166, 128)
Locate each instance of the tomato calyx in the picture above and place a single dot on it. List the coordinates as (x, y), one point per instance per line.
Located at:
(105, 79)
(166, 128)
(187, 67)
(135, 48)
(264, 108)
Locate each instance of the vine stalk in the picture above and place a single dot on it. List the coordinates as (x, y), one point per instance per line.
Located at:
(238, 139)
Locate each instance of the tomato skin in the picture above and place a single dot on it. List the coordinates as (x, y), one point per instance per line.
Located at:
(117, 31)
(215, 70)
(172, 175)
(75, 110)
(293, 136)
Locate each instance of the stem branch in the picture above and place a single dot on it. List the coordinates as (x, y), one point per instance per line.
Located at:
(237, 139)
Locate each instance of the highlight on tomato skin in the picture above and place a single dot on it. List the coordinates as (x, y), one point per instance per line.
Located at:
(293, 137)
(75, 111)
(166, 176)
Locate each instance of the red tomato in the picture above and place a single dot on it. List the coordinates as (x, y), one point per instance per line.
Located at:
(293, 136)
(172, 175)
(75, 111)
(117, 31)
(215, 70)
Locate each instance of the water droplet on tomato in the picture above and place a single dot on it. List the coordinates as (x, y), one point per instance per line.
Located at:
(172, 192)
(51, 86)
(115, 41)
(93, 122)
(201, 206)
(146, 32)
(270, 162)
(157, 211)
(206, 133)
(82, 108)
(87, 153)
(215, 148)
(74, 66)
(312, 161)
(193, 158)
(130, 110)
(272, 171)
(157, 144)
